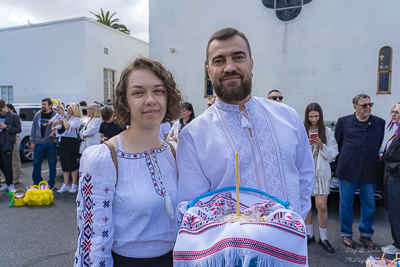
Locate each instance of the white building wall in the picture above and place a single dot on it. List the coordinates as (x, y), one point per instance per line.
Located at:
(328, 54)
(121, 49)
(63, 59)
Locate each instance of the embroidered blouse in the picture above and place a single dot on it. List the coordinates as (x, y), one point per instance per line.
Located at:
(129, 219)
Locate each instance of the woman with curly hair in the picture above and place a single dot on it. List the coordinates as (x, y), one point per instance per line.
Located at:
(126, 215)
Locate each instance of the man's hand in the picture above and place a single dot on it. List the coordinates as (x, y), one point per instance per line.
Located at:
(32, 146)
(2, 125)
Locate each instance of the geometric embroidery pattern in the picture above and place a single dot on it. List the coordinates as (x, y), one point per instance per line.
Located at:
(105, 234)
(106, 203)
(154, 171)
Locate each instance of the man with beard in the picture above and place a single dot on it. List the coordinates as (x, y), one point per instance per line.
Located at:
(43, 144)
(272, 143)
(359, 137)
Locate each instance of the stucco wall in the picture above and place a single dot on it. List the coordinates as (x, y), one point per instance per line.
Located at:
(63, 59)
(328, 54)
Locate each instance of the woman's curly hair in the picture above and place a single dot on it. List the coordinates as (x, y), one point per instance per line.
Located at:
(174, 98)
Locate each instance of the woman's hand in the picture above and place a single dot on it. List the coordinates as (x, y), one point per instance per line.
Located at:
(318, 142)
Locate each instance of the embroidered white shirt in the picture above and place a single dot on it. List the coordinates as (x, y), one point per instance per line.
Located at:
(275, 158)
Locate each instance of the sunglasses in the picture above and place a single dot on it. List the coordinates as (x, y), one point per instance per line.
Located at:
(394, 112)
(209, 105)
(276, 97)
(366, 105)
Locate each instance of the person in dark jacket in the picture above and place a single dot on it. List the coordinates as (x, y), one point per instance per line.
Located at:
(42, 143)
(10, 125)
(391, 158)
(359, 137)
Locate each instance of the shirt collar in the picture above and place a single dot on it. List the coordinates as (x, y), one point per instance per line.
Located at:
(234, 108)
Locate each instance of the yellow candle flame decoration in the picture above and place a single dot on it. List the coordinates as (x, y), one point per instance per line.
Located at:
(237, 183)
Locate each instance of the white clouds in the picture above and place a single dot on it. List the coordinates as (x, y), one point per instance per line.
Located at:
(133, 14)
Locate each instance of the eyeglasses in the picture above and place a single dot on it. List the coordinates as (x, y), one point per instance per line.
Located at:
(276, 97)
(394, 112)
(366, 105)
(90, 109)
(209, 105)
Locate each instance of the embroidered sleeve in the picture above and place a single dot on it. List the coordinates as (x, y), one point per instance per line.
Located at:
(94, 208)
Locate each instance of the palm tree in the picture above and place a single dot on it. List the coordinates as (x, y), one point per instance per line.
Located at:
(107, 20)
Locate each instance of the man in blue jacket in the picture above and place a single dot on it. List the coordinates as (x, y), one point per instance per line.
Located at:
(359, 137)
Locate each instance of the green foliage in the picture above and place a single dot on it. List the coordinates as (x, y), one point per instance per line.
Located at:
(107, 20)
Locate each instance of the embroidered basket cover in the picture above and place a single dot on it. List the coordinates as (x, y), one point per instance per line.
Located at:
(278, 240)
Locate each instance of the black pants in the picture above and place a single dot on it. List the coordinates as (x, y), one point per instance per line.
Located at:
(6, 165)
(392, 198)
(162, 261)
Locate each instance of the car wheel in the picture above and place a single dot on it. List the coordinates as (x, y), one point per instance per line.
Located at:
(26, 151)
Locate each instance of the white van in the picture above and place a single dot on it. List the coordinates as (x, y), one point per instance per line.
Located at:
(26, 112)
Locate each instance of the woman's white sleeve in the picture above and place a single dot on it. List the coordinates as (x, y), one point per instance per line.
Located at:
(330, 150)
(94, 207)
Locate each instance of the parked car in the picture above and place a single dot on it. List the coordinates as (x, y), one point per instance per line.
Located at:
(26, 112)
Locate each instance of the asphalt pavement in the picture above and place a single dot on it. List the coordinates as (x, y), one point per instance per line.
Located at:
(47, 235)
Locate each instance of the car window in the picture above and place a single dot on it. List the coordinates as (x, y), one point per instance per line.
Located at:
(27, 114)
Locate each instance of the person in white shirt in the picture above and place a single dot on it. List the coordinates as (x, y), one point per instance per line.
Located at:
(324, 149)
(272, 143)
(165, 127)
(69, 145)
(187, 115)
(90, 132)
(127, 219)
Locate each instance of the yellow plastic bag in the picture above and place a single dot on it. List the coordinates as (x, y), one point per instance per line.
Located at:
(39, 195)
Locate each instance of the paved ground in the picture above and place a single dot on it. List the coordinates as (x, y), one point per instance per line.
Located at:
(46, 235)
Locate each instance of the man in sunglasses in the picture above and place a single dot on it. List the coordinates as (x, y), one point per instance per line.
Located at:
(359, 137)
(275, 95)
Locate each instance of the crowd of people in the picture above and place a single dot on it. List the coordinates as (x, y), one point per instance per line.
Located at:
(130, 186)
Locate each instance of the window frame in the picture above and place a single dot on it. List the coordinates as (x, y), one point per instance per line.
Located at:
(7, 99)
(388, 71)
(110, 84)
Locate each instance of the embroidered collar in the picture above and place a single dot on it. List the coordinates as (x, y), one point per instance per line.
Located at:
(143, 154)
(234, 108)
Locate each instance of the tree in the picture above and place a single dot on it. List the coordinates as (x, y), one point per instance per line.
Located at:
(107, 20)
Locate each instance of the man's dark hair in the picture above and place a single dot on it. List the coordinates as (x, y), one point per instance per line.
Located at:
(225, 34)
(82, 103)
(107, 113)
(358, 97)
(48, 100)
(2, 103)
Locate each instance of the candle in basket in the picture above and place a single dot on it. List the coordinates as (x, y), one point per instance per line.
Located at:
(237, 182)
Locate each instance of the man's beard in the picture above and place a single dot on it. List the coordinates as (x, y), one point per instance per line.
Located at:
(232, 92)
(43, 109)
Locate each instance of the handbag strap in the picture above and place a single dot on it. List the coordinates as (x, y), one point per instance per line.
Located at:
(114, 158)
(172, 149)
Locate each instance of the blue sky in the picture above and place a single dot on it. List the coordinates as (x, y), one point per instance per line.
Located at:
(133, 13)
